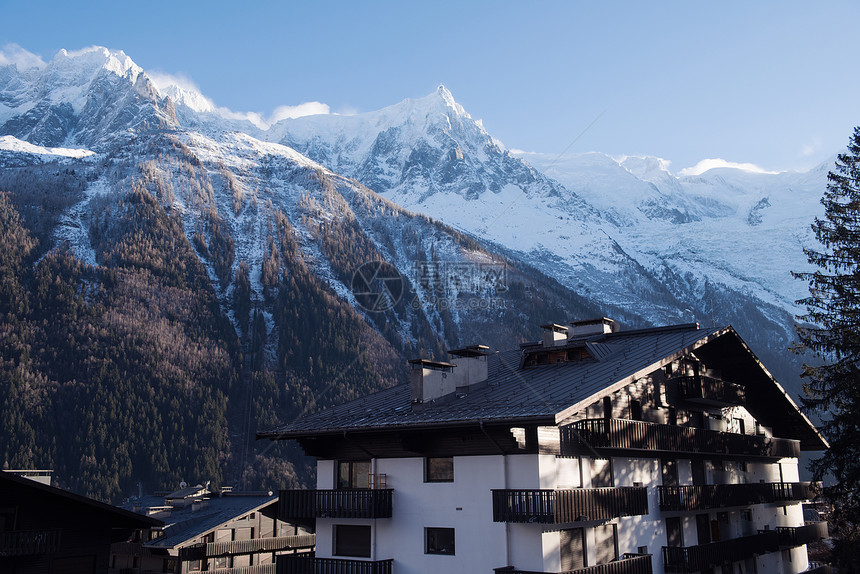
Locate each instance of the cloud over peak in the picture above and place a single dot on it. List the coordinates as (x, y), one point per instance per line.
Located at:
(714, 163)
(14, 54)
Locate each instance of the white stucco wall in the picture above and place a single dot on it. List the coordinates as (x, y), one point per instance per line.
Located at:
(464, 504)
(482, 545)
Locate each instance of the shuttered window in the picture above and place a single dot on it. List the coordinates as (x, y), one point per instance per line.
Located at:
(605, 540)
(573, 549)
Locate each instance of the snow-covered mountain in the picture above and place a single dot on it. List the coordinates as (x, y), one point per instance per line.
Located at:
(307, 258)
(627, 232)
(628, 235)
(88, 98)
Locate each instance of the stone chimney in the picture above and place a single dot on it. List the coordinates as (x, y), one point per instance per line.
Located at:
(471, 365)
(591, 327)
(554, 335)
(431, 380)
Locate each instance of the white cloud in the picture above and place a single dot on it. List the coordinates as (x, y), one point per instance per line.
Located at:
(182, 89)
(714, 163)
(811, 148)
(162, 80)
(305, 109)
(24, 60)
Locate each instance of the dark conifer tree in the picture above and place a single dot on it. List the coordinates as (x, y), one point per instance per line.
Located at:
(831, 332)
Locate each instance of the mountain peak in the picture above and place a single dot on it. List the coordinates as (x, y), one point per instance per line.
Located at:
(88, 61)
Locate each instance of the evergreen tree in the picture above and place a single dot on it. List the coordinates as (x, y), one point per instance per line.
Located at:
(831, 331)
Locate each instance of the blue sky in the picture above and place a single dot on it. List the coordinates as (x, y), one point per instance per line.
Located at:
(769, 83)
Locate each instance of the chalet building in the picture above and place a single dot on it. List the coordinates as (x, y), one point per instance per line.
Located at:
(47, 530)
(594, 450)
(206, 531)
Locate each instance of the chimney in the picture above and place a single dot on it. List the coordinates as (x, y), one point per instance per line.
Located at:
(554, 335)
(472, 365)
(431, 379)
(591, 327)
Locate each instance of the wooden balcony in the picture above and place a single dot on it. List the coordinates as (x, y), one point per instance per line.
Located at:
(352, 503)
(628, 564)
(253, 546)
(711, 391)
(29, 542)
(628, 435)
(309, 564)
(819, 569)
(696, 497)
(560, 506)
(799, 535)
(258, 569)
(700, 558)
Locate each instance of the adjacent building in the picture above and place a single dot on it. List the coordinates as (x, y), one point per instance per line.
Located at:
(48, 530)
(593, 450)
(203, 531)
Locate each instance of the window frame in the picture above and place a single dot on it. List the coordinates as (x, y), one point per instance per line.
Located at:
(430, 530)
(340, 529)
(353, 474)
(428, 466)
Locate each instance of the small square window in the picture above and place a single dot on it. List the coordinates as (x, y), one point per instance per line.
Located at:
(439, 469)
(439, 541)
(351, 540)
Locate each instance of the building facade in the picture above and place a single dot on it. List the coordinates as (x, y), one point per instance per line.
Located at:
(666, 450)
(48, 530)
(207, 532)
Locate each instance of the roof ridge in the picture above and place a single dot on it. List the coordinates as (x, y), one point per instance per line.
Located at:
(663, 329)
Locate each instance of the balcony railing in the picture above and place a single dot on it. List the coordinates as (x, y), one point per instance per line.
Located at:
(560, 506)
(628, 564)
(309, 564)
(799, 535)
(699, 558)
(253, 546)
(353, 503)
(710, 390)
(695, 497)
(819, 569)
(623, 434)
(258, 569)
(29, 542)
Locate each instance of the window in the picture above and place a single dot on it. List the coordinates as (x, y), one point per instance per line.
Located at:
(636, 410)
(353, 474)
(572, 549)
(674, 533)
(439, 541)
(606, 543)
(601, 473)
(439, 469)
(350, 540)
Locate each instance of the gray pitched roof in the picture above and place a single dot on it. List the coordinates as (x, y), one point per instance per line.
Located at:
(183, 524)
(542, 394)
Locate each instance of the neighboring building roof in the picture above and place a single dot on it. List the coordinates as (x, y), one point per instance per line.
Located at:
(548, 394)
(185, 523)
(22, 488)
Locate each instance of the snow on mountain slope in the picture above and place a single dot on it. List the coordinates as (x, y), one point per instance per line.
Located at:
(625, 233)
(428, 155)
(14, 145)
(86, 98)
(741, 229)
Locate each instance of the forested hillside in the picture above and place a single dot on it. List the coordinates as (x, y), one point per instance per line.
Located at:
(151, 348)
